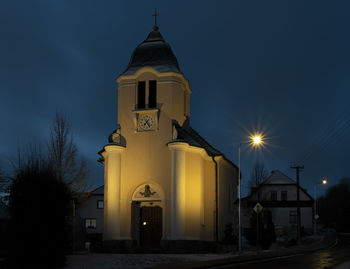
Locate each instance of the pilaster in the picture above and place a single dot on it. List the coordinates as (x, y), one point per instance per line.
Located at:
(178, 189)
(112, 155)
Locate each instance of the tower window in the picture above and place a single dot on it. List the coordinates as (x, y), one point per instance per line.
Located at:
(152, 97)
(141, 94)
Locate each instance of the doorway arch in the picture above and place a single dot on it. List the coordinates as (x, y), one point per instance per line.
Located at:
(147, 214)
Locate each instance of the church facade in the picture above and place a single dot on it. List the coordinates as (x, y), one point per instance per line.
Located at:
(163, 183)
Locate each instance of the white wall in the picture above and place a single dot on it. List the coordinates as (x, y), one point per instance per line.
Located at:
(88, 210)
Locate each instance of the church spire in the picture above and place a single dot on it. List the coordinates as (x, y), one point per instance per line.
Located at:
(155, 27)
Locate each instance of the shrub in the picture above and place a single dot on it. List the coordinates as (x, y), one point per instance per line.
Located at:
(39, 224)
(229, 238)
(263, 227)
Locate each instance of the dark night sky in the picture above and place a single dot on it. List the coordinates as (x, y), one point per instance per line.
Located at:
(281, 67)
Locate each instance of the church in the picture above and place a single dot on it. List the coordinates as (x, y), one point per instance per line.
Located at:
(164, 184)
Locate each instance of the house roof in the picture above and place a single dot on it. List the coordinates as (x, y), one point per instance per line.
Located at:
(99, 190)
(154, 52)
(277, 177)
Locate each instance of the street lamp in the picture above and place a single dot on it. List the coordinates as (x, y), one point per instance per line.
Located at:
(324, 182)
(255, 140)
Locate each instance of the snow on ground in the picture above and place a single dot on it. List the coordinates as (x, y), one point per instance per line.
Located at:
(129, 261)
(345, 265)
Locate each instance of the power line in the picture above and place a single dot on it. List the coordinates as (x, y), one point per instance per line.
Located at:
(329, 132)
(330, 140)
(335, 128)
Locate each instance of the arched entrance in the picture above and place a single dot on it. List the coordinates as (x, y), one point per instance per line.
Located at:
(147, 215)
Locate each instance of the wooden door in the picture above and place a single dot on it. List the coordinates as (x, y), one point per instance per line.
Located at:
(151, 225)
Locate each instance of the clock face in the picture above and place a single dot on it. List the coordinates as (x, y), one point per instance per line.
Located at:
(146, 122)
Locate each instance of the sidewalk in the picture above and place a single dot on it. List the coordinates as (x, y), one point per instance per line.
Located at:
(253, 255)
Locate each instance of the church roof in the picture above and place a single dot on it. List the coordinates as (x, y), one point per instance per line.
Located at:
(154, 52)
(277, 177)
(188, 134)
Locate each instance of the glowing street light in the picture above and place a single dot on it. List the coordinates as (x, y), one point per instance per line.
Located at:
(323, 182)
(255, 140)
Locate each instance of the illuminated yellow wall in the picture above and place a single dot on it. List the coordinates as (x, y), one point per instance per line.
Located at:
(194, 192)
(148, 159)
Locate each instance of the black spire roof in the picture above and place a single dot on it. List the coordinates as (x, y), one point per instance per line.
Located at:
(154, 52)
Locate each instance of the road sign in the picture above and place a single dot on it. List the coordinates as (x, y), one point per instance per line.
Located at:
(258, 208)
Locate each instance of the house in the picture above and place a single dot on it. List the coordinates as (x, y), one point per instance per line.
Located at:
(164, 184)
(89, 212)
(278, 194)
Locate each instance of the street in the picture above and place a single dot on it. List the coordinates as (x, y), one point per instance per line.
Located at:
(327, 258)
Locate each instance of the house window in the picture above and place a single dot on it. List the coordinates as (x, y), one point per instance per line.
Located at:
(141, 94)
(273, 195)
(152, 96)
(293, 217)
(90, 223)
(100, 204)
(284, 196)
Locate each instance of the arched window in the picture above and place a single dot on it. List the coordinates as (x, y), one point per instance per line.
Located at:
(152, 97)
(141, 94)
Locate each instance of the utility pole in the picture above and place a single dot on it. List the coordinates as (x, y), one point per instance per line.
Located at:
(297, 168)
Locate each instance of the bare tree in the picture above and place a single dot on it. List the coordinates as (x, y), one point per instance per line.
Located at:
(4, 183)
(63, 155)
(258, 174)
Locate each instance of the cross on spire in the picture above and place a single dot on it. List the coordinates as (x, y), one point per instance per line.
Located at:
(156, 14)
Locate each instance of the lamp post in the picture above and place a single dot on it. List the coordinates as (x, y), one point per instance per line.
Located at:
(324, 182)
(255, 141)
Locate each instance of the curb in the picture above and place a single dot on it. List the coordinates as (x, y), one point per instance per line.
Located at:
(328, 242)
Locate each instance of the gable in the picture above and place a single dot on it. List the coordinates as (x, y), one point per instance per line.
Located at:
(99, 190)
(278, 182)
(277, 177)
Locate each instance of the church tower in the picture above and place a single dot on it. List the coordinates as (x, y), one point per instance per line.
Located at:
(161, 177)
